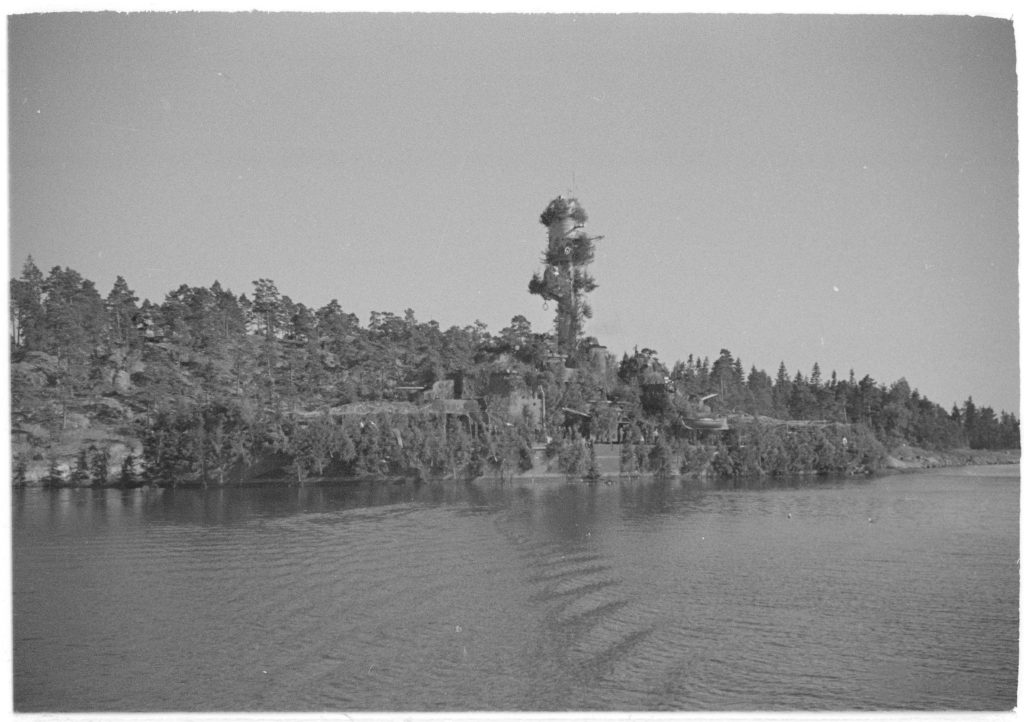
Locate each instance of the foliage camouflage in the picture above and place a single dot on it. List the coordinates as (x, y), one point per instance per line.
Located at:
(213, 384)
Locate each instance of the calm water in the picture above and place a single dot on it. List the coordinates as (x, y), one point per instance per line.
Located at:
(635, 595)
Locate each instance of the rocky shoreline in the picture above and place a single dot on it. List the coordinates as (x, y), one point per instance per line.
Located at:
(909, 458)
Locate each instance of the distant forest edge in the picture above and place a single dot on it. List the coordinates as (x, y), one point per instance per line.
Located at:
(209, 386)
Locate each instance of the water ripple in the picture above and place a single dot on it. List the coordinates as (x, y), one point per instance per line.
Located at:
(636, 596)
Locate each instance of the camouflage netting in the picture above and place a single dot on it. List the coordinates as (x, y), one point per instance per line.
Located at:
(563, 208)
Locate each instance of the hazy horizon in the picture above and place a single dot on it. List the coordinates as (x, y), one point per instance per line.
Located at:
(797, 189)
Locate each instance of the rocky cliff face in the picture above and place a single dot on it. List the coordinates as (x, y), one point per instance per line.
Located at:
(53, 422)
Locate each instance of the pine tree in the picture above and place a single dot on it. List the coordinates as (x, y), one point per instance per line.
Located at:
(72, 329)
(26, 296)
(128, 477)
(122, 311)
(80, 472)
(565, 280)
(267, 309)
(782, 391)
(98, 468)
(19, 470)
(53, 477)
(722, 377)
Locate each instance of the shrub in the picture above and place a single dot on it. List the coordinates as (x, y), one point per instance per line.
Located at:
(659, 459)
(573, 458)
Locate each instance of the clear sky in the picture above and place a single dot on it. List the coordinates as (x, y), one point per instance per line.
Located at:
(831, 189)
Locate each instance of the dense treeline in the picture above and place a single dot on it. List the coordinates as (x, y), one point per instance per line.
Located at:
(212, 382)
(207, 444)
(895, 413)
(759, 450)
